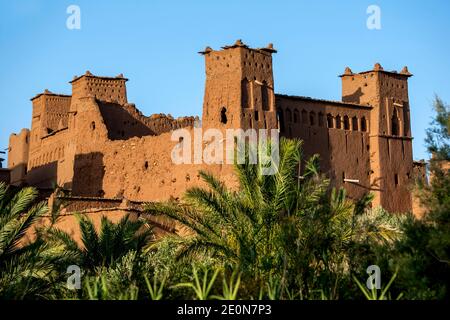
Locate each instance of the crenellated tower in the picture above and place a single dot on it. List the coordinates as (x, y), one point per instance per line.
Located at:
(390, 131)
(239, 90)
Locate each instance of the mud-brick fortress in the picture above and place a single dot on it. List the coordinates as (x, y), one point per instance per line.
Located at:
(110, 156)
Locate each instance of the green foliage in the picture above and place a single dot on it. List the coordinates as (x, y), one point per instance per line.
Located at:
(438, 134)
(424, 250)
(285, 230)
(103, 248)
(155, 290)
(200, 285)
(230, 287)
(25, 268)
(98, 289)
(373, 293)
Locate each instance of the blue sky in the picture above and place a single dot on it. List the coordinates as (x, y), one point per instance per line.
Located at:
(155, 44)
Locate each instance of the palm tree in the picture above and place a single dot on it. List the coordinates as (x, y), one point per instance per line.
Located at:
(102, 248)
(287, 227)
(25, 267)
(241, 226)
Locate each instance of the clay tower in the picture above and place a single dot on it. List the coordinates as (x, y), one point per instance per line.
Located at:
(239, 90)
(390, 131)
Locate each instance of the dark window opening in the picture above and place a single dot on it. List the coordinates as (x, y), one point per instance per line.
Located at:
(396, 179)
(394, 124)
(245, 88)
(304, 117)
(346, 123)
(288, 115)
(329, 121)
(265, 96)
(338, 122)
(146, 165)
(92, 125)
(355, 124)
(312, 118)
(363, 124)
(256, 116)
(320, 119)
(223, 115)
(296, 115)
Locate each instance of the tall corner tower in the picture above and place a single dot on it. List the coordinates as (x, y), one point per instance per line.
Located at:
(239, 89)
(390, 132)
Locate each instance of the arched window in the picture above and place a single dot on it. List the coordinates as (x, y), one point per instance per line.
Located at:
(304, 117)
(330, 121)
(346, 123)
(338, 122)
(363, 124)
(394, 123)
(312, 118)
(296, 116)
(320, 119)
(288, 115)
(355, 124)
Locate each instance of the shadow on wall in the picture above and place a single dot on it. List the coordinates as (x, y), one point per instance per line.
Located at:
(354, 97)
(43, 176)
(120, 124)
(88, 175)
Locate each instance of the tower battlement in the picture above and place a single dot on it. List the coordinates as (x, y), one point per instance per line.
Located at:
(239, 90)
(107, 89)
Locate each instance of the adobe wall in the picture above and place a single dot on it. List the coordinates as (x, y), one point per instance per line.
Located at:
(395, 143)
(47, 163)
(126, 121)
(18, 150)
(239, 88)
(337, 132)
(140, 168)
(102, 88)
(390, 132)
(56, 113)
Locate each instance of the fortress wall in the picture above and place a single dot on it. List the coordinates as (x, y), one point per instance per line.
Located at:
(97, 144)
(396, 174)
(344, 153)
(139, 169)
(395, 144)
(46, 163)
(126, 121)
(19, 145)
